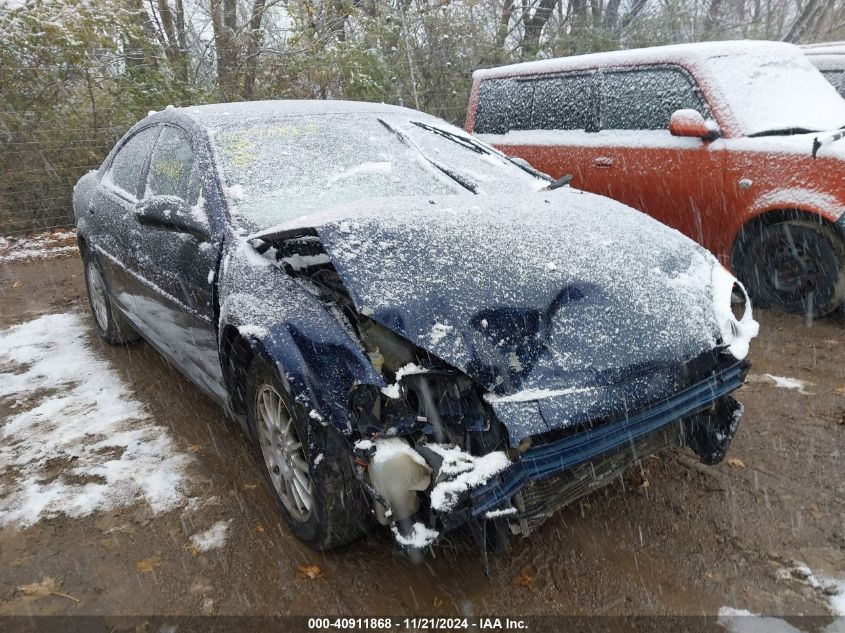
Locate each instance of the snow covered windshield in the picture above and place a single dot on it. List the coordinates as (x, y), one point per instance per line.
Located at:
(770, 92)
(278, 170)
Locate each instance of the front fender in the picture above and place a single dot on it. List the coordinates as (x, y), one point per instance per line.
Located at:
(317, 356)
(826, 205)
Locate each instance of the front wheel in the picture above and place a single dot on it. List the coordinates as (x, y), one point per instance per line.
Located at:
(308, 467)
(796, 267)
(111, 325)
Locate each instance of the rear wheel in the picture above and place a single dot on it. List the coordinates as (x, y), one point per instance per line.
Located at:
(796, 267)
(110, 324)
(308, 467)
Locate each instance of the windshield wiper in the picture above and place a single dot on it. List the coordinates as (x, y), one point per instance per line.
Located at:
(827, 140)
(457, 138)
(480, 148)
(463, 182)
(786, 131)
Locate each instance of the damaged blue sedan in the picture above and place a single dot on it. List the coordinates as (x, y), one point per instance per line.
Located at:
(412, 328)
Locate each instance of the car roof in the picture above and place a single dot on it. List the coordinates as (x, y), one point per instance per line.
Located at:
(222, 114)
(686, 54)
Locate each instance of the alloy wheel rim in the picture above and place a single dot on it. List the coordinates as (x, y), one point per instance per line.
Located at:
(284, 453)
(793, 272)
(97, 294)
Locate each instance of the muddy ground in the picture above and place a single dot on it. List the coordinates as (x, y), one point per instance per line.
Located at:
(675, 538)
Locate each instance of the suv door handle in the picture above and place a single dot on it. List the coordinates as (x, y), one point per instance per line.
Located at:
(603, 161)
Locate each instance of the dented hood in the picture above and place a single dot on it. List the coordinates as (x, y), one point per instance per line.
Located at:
(533, 292)
(548, 294)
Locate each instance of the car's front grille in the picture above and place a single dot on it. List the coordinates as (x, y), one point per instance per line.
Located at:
(541, 498)
(591, 446)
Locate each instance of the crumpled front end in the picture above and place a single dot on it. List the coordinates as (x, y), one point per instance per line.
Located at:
(508, 382)
(510, 491)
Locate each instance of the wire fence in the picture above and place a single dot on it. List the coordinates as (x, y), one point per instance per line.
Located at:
(39, 165)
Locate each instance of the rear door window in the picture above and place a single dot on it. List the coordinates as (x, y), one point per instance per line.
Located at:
(563, 103)
(127, 167)
(172, 171)
(503, 105)
(645, 98)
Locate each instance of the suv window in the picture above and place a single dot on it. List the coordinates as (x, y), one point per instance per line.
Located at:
(563, 103)
(127, 167)
(644, 99)
(172, 170)
(503, 105)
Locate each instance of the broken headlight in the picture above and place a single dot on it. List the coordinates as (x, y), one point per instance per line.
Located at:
(732, 310)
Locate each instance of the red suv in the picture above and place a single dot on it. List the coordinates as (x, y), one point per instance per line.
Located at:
(732, 143)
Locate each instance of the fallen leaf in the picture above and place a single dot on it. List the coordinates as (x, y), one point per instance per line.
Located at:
(525, 580)
(250, 486)
(195, 448)
(310, 571)
(840, 390)
(259, 528)
(17, 284)
(40, 589)
(736, 463)
(148, 564)
(47, 587)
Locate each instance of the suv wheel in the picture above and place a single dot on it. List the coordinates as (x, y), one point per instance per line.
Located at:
(796, 267)
(308, 467)
(111, 325)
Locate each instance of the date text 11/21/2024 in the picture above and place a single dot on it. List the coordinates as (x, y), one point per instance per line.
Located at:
(418, 623)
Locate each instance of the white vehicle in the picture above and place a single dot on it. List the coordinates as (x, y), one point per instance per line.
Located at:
(829, 58)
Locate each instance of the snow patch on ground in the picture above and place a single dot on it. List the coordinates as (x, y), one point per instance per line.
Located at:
(833, 590)
(782, 382)
(213, 538)
(742, 621)
(76, 441)
(46, 245)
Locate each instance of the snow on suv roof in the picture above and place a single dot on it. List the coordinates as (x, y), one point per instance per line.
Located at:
(766, 86)
(678, 53)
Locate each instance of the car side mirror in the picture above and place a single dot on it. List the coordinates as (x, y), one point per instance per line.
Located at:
(690, 123)
(170, 213)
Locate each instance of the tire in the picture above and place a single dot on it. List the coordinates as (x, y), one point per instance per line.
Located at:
(111, 325)
(340, 510)
(796, 267)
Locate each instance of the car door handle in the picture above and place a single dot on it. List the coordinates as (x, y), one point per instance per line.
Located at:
(603, 162)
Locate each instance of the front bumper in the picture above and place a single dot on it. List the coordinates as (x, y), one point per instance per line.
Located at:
(709, 434)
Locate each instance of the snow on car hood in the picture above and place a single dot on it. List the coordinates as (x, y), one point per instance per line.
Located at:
(553, 291)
